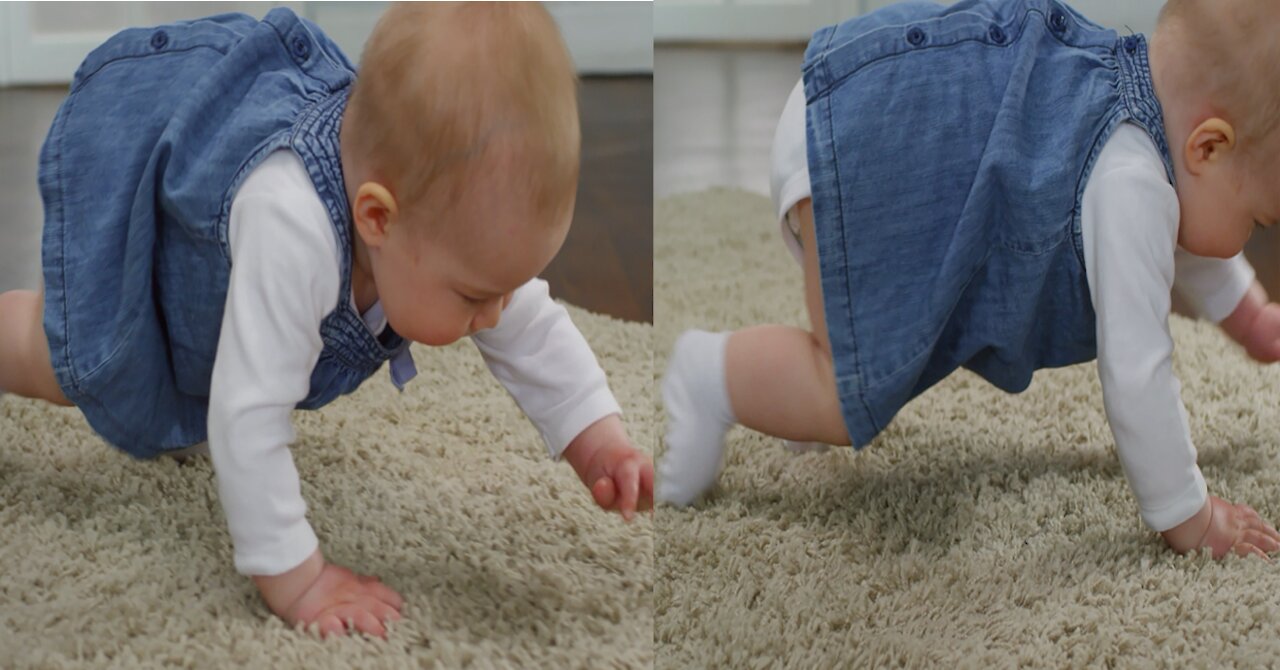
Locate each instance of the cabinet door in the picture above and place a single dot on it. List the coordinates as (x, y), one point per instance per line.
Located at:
(795, 20)
(44, 42)
(746, 20)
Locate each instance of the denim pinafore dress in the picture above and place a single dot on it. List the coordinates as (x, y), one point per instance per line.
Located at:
(138, 173)
(949, 148)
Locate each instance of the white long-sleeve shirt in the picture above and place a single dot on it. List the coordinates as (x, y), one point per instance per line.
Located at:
(284, 282)
(1129, 225)
(1129, 222)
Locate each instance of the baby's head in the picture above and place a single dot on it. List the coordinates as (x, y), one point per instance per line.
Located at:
(1216, 65)
(460, 152)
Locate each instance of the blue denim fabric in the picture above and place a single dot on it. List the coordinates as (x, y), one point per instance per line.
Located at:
(137, 174)
(949, 149)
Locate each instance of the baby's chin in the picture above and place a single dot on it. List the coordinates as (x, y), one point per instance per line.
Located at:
(438, 339)
(1212, 247)
(428, 336)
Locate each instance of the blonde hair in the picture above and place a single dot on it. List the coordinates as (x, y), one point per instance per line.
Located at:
(442, 85)
(1229, 53)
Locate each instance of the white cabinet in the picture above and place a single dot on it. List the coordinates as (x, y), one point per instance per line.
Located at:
(44, 42)
(795, 20)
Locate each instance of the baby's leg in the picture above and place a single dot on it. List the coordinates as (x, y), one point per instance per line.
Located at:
(778, 380)
(25, 366)
(781, 380)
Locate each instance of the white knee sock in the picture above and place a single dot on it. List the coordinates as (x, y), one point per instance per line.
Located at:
(698, 416)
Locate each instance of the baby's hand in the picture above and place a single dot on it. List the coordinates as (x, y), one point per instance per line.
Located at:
(1255, 325)
(1263, 340)
(619, 475)
(1224, 527)
(332, 597)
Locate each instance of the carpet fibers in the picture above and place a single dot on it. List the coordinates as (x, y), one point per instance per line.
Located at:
(444, 491)
(980, 529)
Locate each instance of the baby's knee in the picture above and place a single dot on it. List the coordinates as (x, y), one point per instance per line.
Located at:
(831, 425)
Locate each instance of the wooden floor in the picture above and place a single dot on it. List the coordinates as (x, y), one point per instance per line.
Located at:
(606, 264)
(715, 110)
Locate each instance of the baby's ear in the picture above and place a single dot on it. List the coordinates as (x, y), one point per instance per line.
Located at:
(1210, 142)
(374, 209)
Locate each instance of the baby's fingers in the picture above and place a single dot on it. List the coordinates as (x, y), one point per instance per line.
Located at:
(364, 621)
(384, 593)
(384, 612)
(604, 492)
(646, 487)
(629, 482)
(1244, 549)
(352, 616)
(1260, 540)
(329, 624)
(1255, 521)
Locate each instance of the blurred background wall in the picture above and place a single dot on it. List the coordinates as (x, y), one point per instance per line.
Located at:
(795, 20)
(43, 42)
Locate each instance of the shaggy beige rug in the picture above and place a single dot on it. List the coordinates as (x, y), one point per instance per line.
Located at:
(445, 492)
(981, 529)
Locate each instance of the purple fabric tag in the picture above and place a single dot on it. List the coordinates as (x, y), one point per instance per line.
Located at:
(402, 368)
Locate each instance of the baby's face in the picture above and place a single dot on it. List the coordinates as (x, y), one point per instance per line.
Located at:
(1220, 211)
(438, 287)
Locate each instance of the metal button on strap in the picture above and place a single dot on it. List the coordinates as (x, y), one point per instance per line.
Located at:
(1058, 21)
(301, 49)
(1131, 44)
(915, 36)
(159, 39)
(996, 34)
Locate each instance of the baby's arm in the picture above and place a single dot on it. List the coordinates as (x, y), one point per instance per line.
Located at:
(542, 359)
(284, 280)
(1225, 291)
(1131, 217)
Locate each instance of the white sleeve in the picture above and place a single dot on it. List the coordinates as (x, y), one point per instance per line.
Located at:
(284, 280)
(1130, 216)
(1213, 287)
(547, 366)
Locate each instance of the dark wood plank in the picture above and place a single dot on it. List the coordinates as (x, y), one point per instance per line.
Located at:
(606, 264)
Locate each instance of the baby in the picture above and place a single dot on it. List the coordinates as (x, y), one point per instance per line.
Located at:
(1004, 186)
(236, 225)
